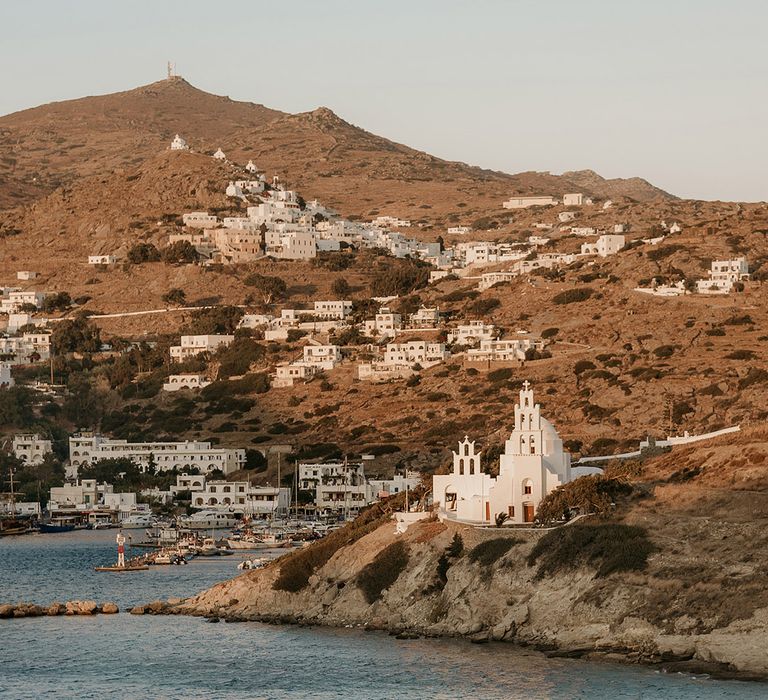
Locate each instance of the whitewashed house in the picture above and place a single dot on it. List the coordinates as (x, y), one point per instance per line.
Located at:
(31, 448)
(575, 199)
(251, 167)
(605, 245)
(488, 279)
(219, 155)
(471, 333)
(322, 356)
(332, 309)
(723, 275)
(287, 374)
(339, 487)
(460, 230)
(192, 345)
(386, 323)
(102, 259)
(12, 301)
(179, 144)
(425, 318)
(242, 497)
(200, 219)
(508, 350)
(530, 201)
(186, 381)
(533, 464)
(26, 275)
(384, 488)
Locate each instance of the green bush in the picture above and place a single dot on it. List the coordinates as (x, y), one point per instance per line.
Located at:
(588, 494)
(500, 375)
(489, 552)
(607, 548)
(383, 571)
(583, 366)
(571, 296)
(549, 333)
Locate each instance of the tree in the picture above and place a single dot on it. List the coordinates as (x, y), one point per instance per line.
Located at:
(341, 288)
(60, 301)
(269, 288)
(83, 406)
(75, 335)
(175, 296)
(143, 252)
(180, 252)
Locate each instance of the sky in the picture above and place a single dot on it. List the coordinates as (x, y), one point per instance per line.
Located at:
(674, 91)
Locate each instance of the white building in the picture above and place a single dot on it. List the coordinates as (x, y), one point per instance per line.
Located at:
(533, 464)
(509, 350)
(179, 144)
(192, 345)
(575, 199)
(102, 259)
(31, 448)
(86, 448)
(251, 167)
(200, 219)
(322, 356)
(460, 229)
(384, 488)
(488, 279)
(425, 318)
(6, 380)
(395, 222)
(88, 495)
(287, 374)
(26, 275)
(472, 333)
(241, 497)
(566, 216)
(415, 352)
(332, 309)
(185, 381)
(219, 155)
(13, 299)
(28, 348)
(340, 487)
(530, 201)
(723, 274)
(605, 245)
(386, 323)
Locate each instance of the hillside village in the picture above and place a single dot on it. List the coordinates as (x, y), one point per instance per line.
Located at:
(209, 304)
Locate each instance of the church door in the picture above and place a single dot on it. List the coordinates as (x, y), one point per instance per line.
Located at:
(528, 512)
(488, 511)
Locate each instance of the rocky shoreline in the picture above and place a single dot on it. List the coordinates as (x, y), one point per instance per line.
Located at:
(70, 608)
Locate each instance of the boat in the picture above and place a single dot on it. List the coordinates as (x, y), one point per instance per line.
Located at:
(209, 520)
(257, 563)
(134, 567)
(137, 521)
(62, 524)
(13, 526)
(209, 548)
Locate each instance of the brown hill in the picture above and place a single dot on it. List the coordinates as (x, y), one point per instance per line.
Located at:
(632, 187)
(350, 168)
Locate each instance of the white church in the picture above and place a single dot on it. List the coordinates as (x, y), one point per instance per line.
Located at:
(533, 464)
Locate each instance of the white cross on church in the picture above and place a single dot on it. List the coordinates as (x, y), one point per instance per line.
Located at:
(526, 385)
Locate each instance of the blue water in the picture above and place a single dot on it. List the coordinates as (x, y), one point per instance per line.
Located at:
(124, 656)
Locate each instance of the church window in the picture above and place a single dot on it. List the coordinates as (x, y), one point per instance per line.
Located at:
(466, 449)
(522, 444)
(527, 488)
(533, 445)
(461, 466)
(511, 511)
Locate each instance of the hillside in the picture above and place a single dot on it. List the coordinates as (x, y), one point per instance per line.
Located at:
(318, 152)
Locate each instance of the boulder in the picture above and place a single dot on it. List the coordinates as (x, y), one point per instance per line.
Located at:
(6, 611)
(55, 609)
(87, 607)
(109, 609)
(157, 606)
(138, 610)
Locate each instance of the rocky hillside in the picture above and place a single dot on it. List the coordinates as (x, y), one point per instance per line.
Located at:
(673, 576)
(359, 172)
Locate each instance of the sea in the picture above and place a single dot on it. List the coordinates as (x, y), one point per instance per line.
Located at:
(128, 656)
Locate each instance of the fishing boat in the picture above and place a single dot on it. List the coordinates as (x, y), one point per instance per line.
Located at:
(249, 564)
(209, 548)
(13, 526)
(61, 524)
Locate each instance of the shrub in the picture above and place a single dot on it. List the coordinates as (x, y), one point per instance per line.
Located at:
(741, 355)
(400, 280)
(484, 306)
(587, 494)
(745, 320)
(583, 366)
(456, 548)
(549, 333)
(665, 350)
(297, 567)
(174, 296)
(180, 252)
(489, 552)
(383, 571)
(571, 296)
(500, 375)
(754, 376)
(715, 331)
(664, 251)
(341, 288)
(608, 548)
(269, 288)
(143, 252)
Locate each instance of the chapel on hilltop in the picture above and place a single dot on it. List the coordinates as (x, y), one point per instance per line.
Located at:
(534, 463)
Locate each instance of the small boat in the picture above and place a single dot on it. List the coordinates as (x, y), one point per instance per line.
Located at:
(257, 563)
(133, 567)
(13, 526)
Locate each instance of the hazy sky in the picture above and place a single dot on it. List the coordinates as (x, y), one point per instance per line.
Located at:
(675, 91)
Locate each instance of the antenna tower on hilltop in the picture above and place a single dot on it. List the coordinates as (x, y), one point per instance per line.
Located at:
(171, 70)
